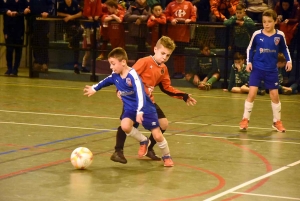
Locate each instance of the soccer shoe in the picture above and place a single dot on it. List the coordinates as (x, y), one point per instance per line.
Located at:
(151, 154)
(207, 86)
(143, 150)
(119, 157)
(168, 162)
(7, 73)
(84, 70)
(278, 126)
(244, 124)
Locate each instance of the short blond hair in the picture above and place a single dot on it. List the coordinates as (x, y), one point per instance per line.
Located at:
(167, 42)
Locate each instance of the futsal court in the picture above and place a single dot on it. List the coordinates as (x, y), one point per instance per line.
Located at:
(42, 121)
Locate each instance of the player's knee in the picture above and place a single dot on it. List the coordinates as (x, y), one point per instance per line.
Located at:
(163, 123)
(126, 128)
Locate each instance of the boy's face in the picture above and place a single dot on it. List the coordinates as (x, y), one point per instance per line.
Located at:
(161, 54)
(285, 5)
(268, 23)
(240, 14)
(115, 65)
(141, 2)
(281, 64)
(205, 51)
(68, 2)
(157, 10)
(111, 10)
(239, 62)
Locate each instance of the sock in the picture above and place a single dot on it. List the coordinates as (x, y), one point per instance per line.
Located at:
(212, 80)
(153, 142)
(247, 110)
(136, 134)
(164, 147)
(120, 139)
(276, 108)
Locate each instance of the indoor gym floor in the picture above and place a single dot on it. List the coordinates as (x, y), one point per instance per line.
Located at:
(43, 121)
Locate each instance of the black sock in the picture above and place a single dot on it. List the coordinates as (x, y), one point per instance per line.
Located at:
(153, 142)
(120, 139)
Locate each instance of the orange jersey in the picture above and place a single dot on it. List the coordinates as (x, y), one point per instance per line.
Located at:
(154, 24)
(180, 12)
(92, 8)
(153, 75)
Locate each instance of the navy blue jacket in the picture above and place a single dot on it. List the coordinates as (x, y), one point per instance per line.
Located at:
(39, 6)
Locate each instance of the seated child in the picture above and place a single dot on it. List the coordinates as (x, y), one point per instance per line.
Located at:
(285, 87)
(206, 71)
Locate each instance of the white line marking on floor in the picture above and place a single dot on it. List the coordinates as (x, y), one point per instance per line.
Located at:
(271, 196)
(251, 181)
(178, 122)
(231, 138)
(53, 114)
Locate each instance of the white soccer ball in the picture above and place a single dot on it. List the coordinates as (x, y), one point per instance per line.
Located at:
(81, 158)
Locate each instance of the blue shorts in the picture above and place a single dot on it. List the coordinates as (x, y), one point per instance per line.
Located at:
(270, 78)
(150, 120)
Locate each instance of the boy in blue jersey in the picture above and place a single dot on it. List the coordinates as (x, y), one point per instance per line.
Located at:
(138, 107)
(263, 66)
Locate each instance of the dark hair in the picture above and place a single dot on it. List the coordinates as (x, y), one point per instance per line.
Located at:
(238, 56)
(112, 3)
(270, 13)
(202, 45)
(154, 5)
(118, 53)
(240, 7)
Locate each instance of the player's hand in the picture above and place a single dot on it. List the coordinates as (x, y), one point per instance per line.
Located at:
(90, 18)
(68, 18)
(152, 17)
(288, 66)
(96, 18)
(44, 15)
(225, 90)
(27, 10)
(88, 90)
(139, 117)
(174, 21)
(249, 67)
(138, 22)
(191, 101)
(187, 21)
(8, 13)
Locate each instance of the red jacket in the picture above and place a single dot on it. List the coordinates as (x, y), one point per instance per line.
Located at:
(92, 8)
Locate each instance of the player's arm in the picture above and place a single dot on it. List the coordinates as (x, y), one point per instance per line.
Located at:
(165, 86)
(140, 95)
(285, 50)
(91, 90)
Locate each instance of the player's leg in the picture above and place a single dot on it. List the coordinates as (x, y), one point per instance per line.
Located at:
(9, 53)
(130, 130)
(254, 81)
(163, 123)
(271, 83)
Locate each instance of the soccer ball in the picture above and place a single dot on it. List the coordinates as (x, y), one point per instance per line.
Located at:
(81, 158)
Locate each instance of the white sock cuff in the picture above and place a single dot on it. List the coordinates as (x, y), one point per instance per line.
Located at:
(162, 144)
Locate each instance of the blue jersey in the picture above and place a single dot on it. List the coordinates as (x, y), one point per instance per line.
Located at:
(132, 91)
(263, 50)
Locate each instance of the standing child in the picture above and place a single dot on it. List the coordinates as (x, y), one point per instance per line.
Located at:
(157, 18)
(180, 11)
(138, 107)
(243, 28)
(263, 66)
(206, 71)
(137, 16)
(92, 10)
(70, 10)
(13, 29)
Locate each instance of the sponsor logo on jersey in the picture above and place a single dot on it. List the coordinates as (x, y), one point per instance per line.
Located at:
(153, 123)
(261, 39)
(266, 50)
(180, 13)
(276, 83)
(162, 71)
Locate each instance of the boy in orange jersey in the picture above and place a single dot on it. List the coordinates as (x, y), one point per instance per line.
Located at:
(157, 18)
(113, 18)
(180, 11)
(92, 10)
(154, 72)
(104, 29)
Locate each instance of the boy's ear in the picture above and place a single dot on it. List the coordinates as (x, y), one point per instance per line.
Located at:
(124, 62)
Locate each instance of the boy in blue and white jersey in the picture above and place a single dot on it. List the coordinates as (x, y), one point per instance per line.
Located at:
(138, 107)
(263, 66)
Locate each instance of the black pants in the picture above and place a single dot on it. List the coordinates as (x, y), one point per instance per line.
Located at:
(40, 41)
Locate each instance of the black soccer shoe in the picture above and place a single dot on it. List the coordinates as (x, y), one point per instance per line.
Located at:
(118, 156)
(151, 154)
